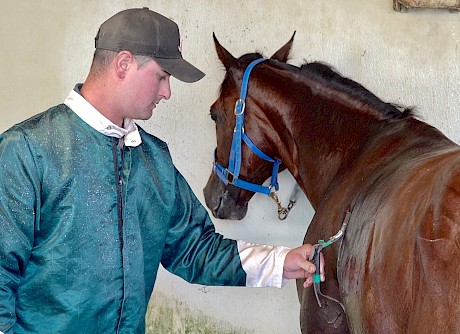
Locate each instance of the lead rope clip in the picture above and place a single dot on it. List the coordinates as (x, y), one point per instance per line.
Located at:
(315, 258)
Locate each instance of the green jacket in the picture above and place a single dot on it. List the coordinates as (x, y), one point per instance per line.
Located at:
(84, 225)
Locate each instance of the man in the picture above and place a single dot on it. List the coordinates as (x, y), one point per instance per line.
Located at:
(90, 204)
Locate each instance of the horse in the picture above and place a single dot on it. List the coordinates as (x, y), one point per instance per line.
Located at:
(373, 167)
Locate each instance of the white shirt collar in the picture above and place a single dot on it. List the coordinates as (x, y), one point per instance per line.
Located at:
(99, 122)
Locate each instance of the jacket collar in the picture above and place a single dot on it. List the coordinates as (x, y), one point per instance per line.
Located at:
(99, 122)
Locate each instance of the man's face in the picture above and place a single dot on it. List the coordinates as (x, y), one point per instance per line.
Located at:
(148, 85)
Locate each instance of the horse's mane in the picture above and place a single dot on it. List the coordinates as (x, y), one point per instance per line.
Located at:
(333, 79)
(328, 76)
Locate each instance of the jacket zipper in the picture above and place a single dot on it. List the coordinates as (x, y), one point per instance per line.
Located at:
(119, 183)
(118, 145)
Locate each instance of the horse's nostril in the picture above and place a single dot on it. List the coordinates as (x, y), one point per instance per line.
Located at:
(215, 210)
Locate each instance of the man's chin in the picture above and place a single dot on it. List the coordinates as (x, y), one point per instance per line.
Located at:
(147, 114)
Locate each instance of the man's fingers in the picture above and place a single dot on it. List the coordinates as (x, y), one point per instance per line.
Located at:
(309, 267)
(308, 282)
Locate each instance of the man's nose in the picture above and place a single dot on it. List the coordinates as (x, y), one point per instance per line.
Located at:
(166, 90)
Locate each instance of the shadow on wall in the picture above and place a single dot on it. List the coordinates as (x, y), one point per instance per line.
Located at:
(168, 315)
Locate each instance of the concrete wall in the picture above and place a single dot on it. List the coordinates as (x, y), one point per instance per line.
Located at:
(409, 58)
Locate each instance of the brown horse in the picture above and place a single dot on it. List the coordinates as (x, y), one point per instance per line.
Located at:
(397, 179)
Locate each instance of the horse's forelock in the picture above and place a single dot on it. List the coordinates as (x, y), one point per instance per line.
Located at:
(234, 73)
(249, 57)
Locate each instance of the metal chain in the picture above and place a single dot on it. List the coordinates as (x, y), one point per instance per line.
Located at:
(282, 212)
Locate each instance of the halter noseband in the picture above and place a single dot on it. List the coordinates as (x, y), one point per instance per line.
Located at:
(231, 174)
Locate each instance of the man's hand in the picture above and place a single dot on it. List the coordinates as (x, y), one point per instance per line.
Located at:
(296, 265)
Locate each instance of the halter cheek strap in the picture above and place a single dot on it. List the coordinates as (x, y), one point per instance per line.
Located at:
(231, 174)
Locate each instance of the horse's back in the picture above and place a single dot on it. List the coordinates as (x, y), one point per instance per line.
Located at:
(437, 255)
(399, 261)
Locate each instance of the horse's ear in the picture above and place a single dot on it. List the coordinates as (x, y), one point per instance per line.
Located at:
(282, 54)
(225, 57)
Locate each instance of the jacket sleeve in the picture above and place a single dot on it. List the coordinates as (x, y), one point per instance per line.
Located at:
(195, 252)
(193, 249)
(19, 200)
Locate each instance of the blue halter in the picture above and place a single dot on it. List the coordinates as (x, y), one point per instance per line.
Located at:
(230, 174)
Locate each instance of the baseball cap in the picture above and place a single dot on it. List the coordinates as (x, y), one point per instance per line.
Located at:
(145, 32)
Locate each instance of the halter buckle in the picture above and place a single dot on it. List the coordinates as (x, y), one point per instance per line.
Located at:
(230, 176)
(240, 105)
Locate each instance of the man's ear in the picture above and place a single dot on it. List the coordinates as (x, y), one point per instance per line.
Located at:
(124, 60)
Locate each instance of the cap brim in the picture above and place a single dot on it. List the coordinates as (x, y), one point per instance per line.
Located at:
(180, 69)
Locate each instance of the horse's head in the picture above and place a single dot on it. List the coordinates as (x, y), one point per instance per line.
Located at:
(242, 167)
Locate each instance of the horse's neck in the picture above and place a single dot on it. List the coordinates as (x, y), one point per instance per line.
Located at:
(321, 145)
(316, 132)
(323, 131)
(328, 147)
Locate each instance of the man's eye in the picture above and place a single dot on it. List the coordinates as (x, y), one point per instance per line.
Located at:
(162, 76)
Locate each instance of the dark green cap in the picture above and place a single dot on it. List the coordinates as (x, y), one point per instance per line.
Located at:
(144, 32)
